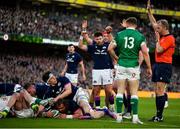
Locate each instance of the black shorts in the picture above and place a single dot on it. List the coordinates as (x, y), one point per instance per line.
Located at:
(162, 72)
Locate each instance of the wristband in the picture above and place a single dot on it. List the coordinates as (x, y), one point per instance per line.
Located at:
(69, 116)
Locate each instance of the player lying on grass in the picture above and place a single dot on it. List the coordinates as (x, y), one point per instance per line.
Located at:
(70, 110)
(21, 104)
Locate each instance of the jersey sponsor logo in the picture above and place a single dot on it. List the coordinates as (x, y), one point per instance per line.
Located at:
(59, 84)
(70, 59)
(100, 52)
(104, 47)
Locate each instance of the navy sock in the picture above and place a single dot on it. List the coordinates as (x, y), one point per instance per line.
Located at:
(125, 101)
(111, 99)
(97, 101)
(129, 103)
(160, 101)
(166, 96)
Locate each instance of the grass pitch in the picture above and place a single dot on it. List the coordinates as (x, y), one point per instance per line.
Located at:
(146, 111)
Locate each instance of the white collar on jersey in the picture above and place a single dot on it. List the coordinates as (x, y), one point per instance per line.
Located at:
(130, 28)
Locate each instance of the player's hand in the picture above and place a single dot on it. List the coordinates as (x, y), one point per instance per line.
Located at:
(62, 74)
(84, 77)
(148, 5)
(62, 116)
(108, 29)
(123, 24)
(149, 72)
(84, 24)
(51, 101)
(157, 36)
(55, 100)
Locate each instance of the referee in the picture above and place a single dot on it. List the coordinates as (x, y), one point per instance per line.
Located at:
(162, 69)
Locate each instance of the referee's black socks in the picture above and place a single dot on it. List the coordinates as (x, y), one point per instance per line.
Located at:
(160, 101)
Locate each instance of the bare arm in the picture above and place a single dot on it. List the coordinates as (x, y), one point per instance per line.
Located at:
(81, 45)
(141, 58)
(111, 50)
(147, 59)
(83, 70)
(77, 114)
(151, 17)
(87, 38)
(66, 93)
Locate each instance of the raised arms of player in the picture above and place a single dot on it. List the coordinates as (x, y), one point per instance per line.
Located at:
(84, 32)
(151, 17)
(83, 70)
(81, 45)
(147, 59)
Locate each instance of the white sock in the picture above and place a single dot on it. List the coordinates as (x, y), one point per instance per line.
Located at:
(135, 117)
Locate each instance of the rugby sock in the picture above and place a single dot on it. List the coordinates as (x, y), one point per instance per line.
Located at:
(97, 101)
(37, 101)
(111, 100)
(91, 104)
(5, 112)
(119, 102)
(6, 109)
(160, 101)
(129, 103)
(125, 101)
(134, 104)
(166, 96)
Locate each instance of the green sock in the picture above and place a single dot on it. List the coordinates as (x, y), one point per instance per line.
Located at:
(119, 103)
(134, 104)
(4, 113)
(37, 101)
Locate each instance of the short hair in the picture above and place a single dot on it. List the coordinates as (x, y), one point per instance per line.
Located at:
(164, 23)
(46, 76)
(27, 85)
(132, 20)
(97, 34)
(70, 45)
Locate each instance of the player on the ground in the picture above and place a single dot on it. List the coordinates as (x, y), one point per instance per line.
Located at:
(21, 104)
(129, 42)
(61, 88)
(68, 109)
(162, 69)
(73, 59)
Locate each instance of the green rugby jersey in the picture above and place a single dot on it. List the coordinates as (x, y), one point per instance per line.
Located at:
(128, 45)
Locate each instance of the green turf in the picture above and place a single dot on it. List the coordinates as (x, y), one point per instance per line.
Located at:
(146, 111)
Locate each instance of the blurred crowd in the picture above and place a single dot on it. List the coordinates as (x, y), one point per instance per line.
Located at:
(160, 4)
(28, 68)
(64, 24)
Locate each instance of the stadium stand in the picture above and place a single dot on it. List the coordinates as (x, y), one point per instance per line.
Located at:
(160, 4)
(64, 23)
